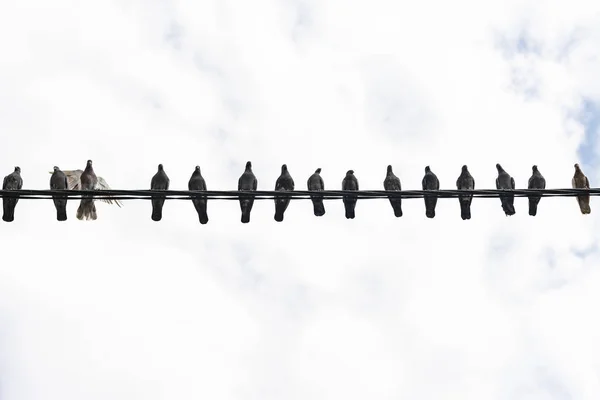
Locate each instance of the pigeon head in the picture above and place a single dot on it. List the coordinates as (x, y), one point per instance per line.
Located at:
(56, 168)
(577, 167)
(318, 171)
(160, 167)
(283, 168)
(89, 163)
(197, 168)
(499, 168)
(350, 172)
(18, 169)
(427, 169)
(534, 168)
(389, 169)
(248, 166)
(464, 168)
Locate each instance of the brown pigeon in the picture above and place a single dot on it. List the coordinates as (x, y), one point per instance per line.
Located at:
(315, 183)
(350, 183)
(160, 181)
(247, 182)
(392, 183)
(283, 183)
(580, 181)
(197, 183)
(12, 181)
(58, 181)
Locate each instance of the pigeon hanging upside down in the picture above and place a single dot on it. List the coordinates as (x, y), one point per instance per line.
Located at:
(87, 180)
(580, 181)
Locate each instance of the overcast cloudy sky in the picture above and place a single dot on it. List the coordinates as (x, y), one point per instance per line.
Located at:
(312, 308)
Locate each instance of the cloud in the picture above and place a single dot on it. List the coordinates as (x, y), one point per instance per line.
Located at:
(377, 307)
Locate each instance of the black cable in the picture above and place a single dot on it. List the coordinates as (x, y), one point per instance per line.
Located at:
(296, 194)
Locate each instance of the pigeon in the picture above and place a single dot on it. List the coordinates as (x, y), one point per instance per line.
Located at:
(74, 180)
(160, 181)
(58, 181)
(580, 181)
(247, 182)
(197, 183)
(504, 181)
(350, 183)
(315, 183)
(430, 182)
(392, 183)
(465, 182)
(89, 181)
(284, 183)
(12, 181)
(536, 181)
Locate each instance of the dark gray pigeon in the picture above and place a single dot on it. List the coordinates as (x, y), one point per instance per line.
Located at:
(160, 181)
(247, 182)
(465, 182)
(197, 183)
(506, 182)
(58, 181)
(430, 182)
(350, 183)
(12, 181)
(283, 183)
(536, 181)
(89, 181)
(315, 183)
(392, 183)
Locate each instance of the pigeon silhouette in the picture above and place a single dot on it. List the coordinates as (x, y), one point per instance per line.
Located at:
(315, 183)
(160, 181)
(392, 183)
(283, 183)
(536, 181)
(350, 183)
(11, 181)
(430, 182)
(247, 182)
(58, 181)
(505, 182)
(197, 183)
(465, 182)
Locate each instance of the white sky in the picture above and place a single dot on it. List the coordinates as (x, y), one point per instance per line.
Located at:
(312, 308)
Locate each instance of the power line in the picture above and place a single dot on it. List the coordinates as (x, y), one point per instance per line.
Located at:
(296, 194)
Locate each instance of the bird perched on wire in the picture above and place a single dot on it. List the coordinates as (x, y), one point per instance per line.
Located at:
(580, 181)
(350, 183)
(160, 181)
(283, 183)
(315, 184)
(58, 181)
(506, 182)
(11, 181)
(392, 183)
(74, 181)
(247, 182)
(536, 181)
(465, 182)
(197, 183)
(430, 182)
